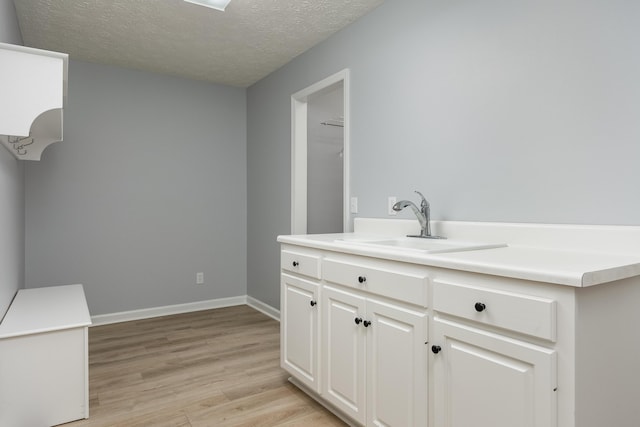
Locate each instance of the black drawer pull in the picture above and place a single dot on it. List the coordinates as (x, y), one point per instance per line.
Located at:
(480, 307)
(295, 263)
(362, 279)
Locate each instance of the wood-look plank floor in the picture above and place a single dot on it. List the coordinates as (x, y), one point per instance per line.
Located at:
(209, 368)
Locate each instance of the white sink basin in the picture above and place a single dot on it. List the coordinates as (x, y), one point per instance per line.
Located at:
(417, 244)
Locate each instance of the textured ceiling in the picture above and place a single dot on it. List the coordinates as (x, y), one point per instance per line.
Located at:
(237, 47)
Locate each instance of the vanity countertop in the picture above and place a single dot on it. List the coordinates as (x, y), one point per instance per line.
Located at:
(569, 265)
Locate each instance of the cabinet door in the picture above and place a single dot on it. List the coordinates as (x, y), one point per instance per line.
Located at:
(484, 379)
(343, 351)
(397, 366)
(299, 330)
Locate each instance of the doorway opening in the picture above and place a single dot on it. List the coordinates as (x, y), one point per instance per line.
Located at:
(320, 157)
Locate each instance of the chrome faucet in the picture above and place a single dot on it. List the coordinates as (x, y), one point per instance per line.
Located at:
(423, 214)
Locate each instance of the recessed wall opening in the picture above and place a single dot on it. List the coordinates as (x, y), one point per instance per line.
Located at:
(320, 157)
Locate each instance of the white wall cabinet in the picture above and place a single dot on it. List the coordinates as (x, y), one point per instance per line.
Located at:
(33, 83)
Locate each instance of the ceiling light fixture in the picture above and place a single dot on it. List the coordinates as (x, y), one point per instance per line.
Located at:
(213, 4)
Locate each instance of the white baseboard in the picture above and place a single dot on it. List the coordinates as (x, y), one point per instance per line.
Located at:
(263, 308)
(146, 313)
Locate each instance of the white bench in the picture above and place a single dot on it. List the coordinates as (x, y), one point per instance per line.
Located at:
(44, 363)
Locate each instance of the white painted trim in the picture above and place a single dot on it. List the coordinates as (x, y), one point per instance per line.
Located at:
(346, 152)
(146, 313)
(298, 166)
(299, 102)
(323, 84)
(263, 308)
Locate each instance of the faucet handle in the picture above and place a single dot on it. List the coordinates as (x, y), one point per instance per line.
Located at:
(424, 202)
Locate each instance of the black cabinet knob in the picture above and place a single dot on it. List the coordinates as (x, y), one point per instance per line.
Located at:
(358, 320)
(295, 263)
(480, 307)
(366, 323)
(436, 349)
(362, 279)
(312, 303)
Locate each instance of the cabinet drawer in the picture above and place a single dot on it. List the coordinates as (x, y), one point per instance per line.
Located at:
(527, 314)
(300, 262)
(404, 282)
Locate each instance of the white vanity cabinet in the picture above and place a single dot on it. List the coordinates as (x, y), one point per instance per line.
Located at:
(483, 374)
(299, 322)
(370, 315)
(344, 351)
(513, 336)
(374, 336)
(485, 379)
(374, 359)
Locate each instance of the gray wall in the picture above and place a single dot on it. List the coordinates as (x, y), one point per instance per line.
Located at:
(11, 192)
(147, 188)
(497, 111)
(9, 30)
(11, 228)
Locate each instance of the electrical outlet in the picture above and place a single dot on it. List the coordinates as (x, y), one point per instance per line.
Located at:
(199, 278)
(390, 202)
(354, 205)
